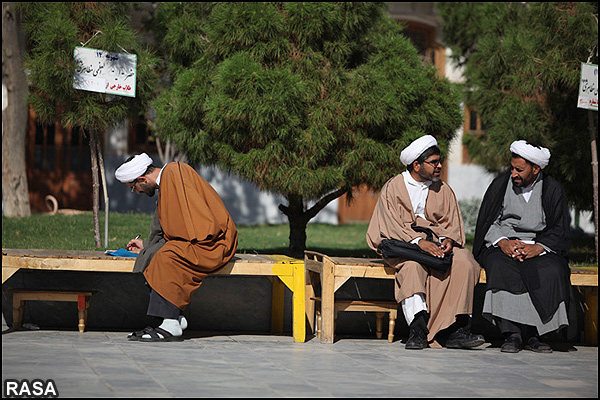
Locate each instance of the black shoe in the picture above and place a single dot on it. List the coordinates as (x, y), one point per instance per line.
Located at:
(534, 344)
(417, 340)
(463, 339)
(512, 344)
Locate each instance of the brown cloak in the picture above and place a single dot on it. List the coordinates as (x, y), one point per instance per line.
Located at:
(200, 234)
(449, 294)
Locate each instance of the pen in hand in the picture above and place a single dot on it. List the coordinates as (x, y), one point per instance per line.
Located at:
(129, 244)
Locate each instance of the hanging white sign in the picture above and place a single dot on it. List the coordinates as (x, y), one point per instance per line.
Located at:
(588, 87)
(105, 72)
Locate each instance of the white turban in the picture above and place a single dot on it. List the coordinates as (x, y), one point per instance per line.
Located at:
(534, 154)
(134, 168)
(416, 148)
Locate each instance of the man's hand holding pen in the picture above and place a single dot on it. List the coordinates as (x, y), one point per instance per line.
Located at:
(135, 245)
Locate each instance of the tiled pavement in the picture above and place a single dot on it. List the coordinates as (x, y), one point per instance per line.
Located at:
(106, 364)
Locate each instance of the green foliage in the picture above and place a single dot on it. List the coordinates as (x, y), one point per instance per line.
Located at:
(303, 99)
(53, 31)
(298, 98)
(522, 66)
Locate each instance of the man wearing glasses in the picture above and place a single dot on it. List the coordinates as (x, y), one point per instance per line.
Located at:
(192, 235)
(437, 305)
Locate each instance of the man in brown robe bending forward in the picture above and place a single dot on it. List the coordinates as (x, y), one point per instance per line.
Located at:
(192, 236)
(436, 305)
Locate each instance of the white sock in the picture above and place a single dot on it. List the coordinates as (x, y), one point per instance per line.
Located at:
(170, 325)
(183, 322)
(413, 305)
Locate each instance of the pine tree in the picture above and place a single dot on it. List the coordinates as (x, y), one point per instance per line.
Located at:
(53, 31)
(523, 66)
(303, 99)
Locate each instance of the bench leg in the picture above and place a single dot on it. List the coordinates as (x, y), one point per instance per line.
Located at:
(379, 324)
(82, 306)
(299, 303)
(319, 323)
(328, 302)
(393, 316)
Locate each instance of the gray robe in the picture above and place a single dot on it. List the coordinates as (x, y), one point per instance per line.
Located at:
(533, 292)
(151, 246)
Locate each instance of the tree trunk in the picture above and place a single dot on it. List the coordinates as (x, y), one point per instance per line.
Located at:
(298, 219)
(594, 175)
(104, 189)
(95, 187)
(15, 191)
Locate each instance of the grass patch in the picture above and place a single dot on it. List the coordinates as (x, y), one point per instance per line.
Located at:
(76, 232)
(71, 232)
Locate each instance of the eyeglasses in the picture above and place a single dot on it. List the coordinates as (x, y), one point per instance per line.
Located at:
(435, 163)
(134, 182)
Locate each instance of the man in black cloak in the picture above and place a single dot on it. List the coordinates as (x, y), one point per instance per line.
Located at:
(522, 241)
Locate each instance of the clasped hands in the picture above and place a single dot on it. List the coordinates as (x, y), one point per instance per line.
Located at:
(519, 250)
(435, 249)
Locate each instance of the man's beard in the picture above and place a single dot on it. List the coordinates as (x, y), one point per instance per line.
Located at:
(517, 183)
(430, 177)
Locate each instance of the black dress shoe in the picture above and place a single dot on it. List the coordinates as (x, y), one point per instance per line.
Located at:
(512, 344)
(417, 340)
(462, 338)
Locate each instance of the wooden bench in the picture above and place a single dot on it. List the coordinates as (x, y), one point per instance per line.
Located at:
(21, 296)
(333, 272)
(283, 272)
(380, 308)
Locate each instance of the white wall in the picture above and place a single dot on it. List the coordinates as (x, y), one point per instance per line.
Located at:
(469, 181)
(247, 204)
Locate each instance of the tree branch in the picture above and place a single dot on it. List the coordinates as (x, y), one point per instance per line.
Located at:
(319, 205)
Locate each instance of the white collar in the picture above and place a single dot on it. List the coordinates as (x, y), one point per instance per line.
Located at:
(408, 178)
(159, 175)
(529, 188)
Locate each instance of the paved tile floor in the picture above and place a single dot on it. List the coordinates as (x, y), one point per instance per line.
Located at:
(105, 364)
